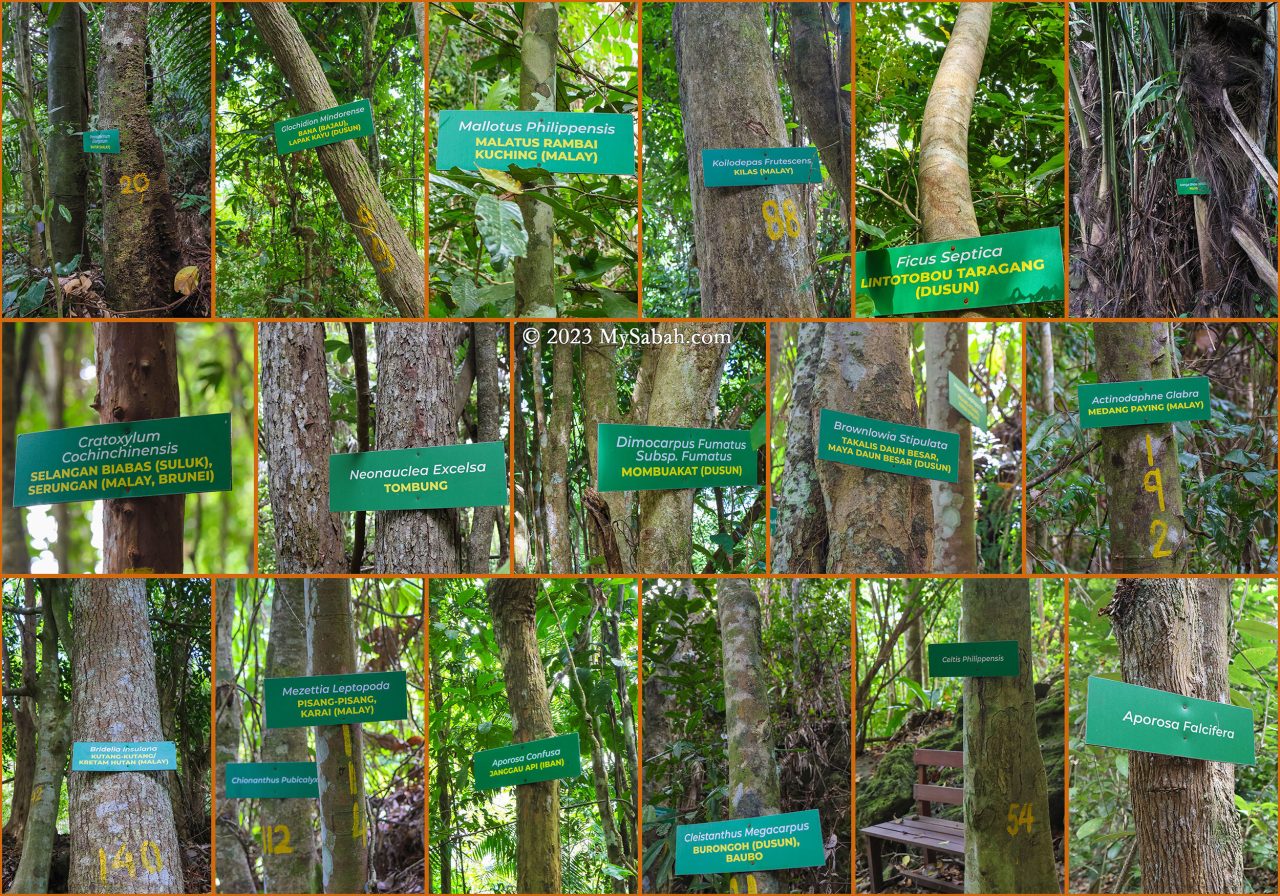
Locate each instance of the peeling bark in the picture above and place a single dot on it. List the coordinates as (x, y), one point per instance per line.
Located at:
(800, 538)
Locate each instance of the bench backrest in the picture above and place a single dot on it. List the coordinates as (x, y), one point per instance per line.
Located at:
(926, 792)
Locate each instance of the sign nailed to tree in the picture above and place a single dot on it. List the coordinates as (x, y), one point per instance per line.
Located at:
(956, 275)
(101, 141)
(751, 167)
(138, 756)
(889, 447)
(766, 843)
(1131, 717)
(560, 142)
(1192, 186)
(326, 126)
(170, 456)
(966, 402)
(336, 699)
(473, 475)
(272, 780)
(536, 760)
(975, 659)
(1143, 402)
(646, 458)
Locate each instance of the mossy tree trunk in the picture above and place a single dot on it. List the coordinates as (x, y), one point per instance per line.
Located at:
(535, 272)
(955, 539)
(68, 105)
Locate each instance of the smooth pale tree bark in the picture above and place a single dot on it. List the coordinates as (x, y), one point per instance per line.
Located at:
(68, 105)
(742, 271)
(138, 380)
(753, 770)
(22, 98)
(53, 741)
(1048, 372)
(289, 821)
(234, 873)
(16, 553)
(955, 538)
(297, 435)
(535, 272)
(946, 198)
(1140, 463)
(490, 400)
(800, 539)
(554, 451)
(126, 815)
(396, 263)
(1173, 635)
(817, 80)
(513, 608)
(139, 220)
(415, 409)
(344, 822)
(1003, 766)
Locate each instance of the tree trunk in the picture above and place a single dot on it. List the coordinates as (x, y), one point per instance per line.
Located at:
(16, 554)
(753, 257)
(800, 539)
(1173, 636)
(915, 639)
(121, 823)
(441, 820)
(536, 293)
(490, 400)
(600, 405)
(513, 608)
(23, 98)
(344, 826)
(53, 740)
(555, 460)
(1047, 371)
(68, 98)
(234, 873)
(22, 709)
(753, 770)
(396, 263)
(1140, 463)
(298, 438)
(139, 221)
(818, 89)
(415, 408)
(138, 380)
(1003, 769)
(946, 199)
(955, 539)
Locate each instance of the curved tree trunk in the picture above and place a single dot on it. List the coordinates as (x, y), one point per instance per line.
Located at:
(955, 538)
(123, 837)
(68, 105)
(536, 293)
(234, 873)
(396, 263)
(138, 380)
(139, 221)
(741, 270)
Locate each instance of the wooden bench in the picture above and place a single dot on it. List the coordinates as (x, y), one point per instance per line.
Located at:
(922, 830)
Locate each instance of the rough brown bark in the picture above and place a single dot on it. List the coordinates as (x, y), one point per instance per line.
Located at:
(513, 608)
(297, 435)
(121, 819)
(234, 873)
(535, 275)
(817, 79)
(68, 105)
(396, 263)
(800, 537)
(138, 380)
(955, 537)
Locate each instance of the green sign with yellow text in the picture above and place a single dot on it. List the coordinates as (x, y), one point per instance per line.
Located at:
(1143, 402)
(753, 167)
(889, 447)
(272, 780)
(764, 843)
(559, 142)
(1131, 717)
(966, 403)
(958, 275)
(101, 141)
(973, 659)
(547, 759)
(1192, 186)
(470, 475)
(646, 458)
(326, 126)
(335, 699)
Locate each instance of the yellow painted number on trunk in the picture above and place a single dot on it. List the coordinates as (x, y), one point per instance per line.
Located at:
(139, 183)
(273, 846)
(751, 884)
(780, 223)
(378, 251)
(1153, 483)
(1018, 816)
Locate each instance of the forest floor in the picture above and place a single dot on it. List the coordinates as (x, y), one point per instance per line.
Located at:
(195, 864)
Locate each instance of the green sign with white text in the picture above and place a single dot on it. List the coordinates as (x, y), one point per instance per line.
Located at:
(889, 447)
(536, 760)
(752, 167)
(271, 780)
(1143, 402)
(1131, 717)
(559, 142)
(973, 659)
(646, 458)
(130, 756)
(1192, 186)
(336, 699)
(470, 475)
(966, 403)
(765, 843)
(958, 275)
(101, 141)
(169, 456)
(326, 126)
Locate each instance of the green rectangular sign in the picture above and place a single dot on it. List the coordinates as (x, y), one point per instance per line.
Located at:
(336, 699)
(766, 843)
(1131, 717)
(973, 659)
(1143, 402)
(536, 760)
(471, 475)
(647, 458)
(889, 447)
(334, 125)
(958, 275)
(752, 167)
(966, 402)
(271, 780)
(101, 141)
(169, 456)
(560, 142)
(136, 756)
(1192, 186)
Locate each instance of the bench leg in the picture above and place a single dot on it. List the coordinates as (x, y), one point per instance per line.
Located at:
(875, 864)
